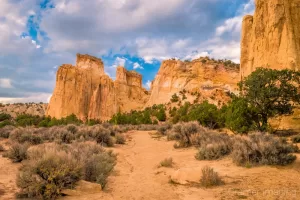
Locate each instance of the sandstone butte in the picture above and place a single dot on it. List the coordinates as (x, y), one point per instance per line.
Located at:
(271, 38)
(86, 91)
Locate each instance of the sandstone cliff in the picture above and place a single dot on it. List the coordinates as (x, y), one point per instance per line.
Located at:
(208, 77)
(271, 38)
(86, 91)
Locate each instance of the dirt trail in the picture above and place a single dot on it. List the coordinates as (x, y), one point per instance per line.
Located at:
(8, 173)
(138, 177)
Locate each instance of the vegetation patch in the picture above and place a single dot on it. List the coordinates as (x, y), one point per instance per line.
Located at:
(167, 162)
(210, 178)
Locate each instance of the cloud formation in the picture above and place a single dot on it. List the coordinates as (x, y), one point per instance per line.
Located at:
(37, 36)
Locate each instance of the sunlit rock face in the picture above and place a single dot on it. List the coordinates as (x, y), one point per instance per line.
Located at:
(209, 77)
(86, 91)
(271, 38)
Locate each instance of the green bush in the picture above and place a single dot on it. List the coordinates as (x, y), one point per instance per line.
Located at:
(4, 116)
(270, 93)
(6, 123)
(238, 116)
(174, 98)
(206, 114)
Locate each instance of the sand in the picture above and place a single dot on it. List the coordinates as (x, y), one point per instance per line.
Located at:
(138, 177)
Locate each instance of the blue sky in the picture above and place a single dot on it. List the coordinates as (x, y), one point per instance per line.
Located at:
(37, 36)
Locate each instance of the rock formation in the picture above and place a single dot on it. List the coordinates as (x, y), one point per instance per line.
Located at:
(208, 77)
(86, 91)
(271, 38)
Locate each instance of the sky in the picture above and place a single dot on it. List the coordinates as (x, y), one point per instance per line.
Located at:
(38, 36)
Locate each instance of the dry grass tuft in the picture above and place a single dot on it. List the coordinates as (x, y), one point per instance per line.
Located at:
(210, 178)
(167, 162)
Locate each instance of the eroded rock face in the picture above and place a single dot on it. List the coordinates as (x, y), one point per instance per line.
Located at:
(271, 38)
(86, 91)
(208, 77)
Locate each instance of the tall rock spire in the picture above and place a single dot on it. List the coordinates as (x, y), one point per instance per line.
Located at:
(271, 38)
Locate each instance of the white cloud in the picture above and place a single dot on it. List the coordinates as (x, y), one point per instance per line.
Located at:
(5, 83)
(148, 85)
(120, 61)
(137, 66)
(232, 25)
(34, 97)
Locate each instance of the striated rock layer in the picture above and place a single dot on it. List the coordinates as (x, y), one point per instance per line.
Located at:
(86, 91)
(208, 77)
(271, 38)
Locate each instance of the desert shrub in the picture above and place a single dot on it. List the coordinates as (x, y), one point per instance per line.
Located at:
(23, 135)
(213, 151)
(1, 148)
(66, 137)
(98, 167)
(5, 131)
(296, 139)
(182, 133)
(212, 145)
(120, 139)
(162, 129)
(167, 162)
(46, 176)
(210, 178)
(52, 168)
(102, 136)
(17, 152)
(72, 128)
(261, 149)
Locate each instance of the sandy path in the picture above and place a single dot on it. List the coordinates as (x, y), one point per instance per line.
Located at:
(8, 173)
(137, 176)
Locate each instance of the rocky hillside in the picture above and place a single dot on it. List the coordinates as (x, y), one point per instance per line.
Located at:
(86, 91)
(208, 77)
(271, 38)
(24, 108)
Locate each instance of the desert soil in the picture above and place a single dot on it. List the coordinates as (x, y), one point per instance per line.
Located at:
(138, 177)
